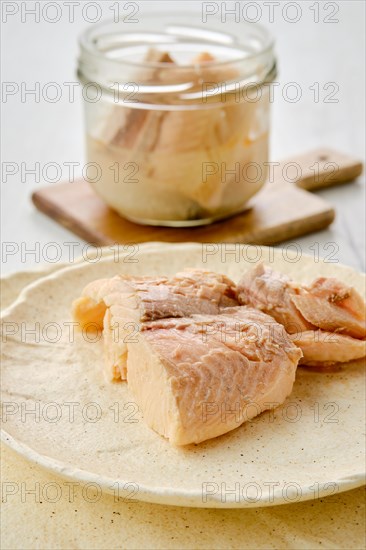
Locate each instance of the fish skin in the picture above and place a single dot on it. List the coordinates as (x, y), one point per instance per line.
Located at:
(187, 380)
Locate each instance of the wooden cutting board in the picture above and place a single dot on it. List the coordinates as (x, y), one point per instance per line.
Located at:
(282, 210)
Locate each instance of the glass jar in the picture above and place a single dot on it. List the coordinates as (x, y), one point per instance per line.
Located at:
(177, 116)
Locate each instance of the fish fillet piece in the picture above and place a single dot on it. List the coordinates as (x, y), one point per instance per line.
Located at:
(322, 348)
(141, 126)
(337, 292)
(326, 304)
(333, 306)
(127, 127)
(272, 293)
(183, 131)
(119, 304)
(199, 377)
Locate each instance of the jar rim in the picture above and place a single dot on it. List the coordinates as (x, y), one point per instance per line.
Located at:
(238, 62)
(87, 43)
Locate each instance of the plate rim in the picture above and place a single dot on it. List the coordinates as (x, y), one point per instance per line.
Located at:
(159, 495)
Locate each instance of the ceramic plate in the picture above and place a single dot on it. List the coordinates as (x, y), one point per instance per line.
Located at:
(60, 412)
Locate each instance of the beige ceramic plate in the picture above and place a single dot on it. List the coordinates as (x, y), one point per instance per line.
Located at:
(91, 431)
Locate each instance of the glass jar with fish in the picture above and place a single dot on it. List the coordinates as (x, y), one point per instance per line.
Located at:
(177, 116)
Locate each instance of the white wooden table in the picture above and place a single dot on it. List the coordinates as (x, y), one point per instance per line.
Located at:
(311, 54)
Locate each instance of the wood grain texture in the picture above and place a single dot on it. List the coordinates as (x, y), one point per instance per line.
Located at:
(279, 212)
(274, 216)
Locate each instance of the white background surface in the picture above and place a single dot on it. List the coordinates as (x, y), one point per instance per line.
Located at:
(307, 51)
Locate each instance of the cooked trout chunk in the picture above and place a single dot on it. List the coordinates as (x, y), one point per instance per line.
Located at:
(272, 293)
(333, 306)
(119, 304)
(137, 128)
(199, 377)
(322, 348)
(327, 317)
